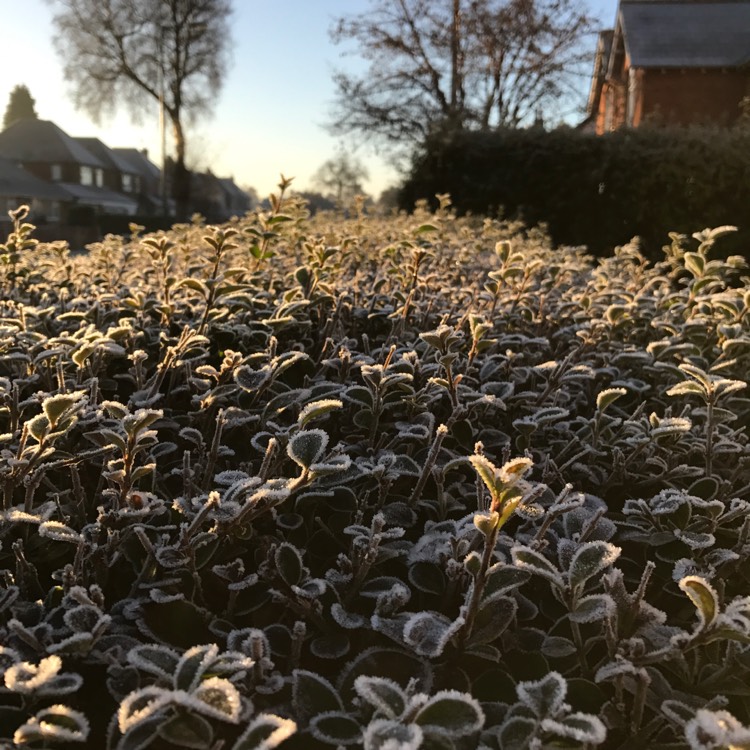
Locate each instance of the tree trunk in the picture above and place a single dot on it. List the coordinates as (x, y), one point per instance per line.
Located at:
(181, 177)
(456, 119)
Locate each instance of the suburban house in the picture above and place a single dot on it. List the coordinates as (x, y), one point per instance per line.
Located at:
(674, 62)
(82, 184)
(19, 187)
(218, 198)
(45, 151)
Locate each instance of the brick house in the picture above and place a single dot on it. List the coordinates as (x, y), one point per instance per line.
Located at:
(48, 153)
(671, 62)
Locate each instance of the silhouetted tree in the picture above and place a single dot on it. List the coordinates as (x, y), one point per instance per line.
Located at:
(20, 106)
(340, 178)
(458, 64)
(114, 51)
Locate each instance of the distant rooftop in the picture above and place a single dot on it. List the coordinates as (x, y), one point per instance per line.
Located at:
(105, 154)
(686, 33)
(42, 141)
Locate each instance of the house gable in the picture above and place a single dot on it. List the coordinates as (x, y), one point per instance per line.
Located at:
(672, 62)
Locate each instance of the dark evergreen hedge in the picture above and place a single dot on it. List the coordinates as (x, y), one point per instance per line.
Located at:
(598, 191)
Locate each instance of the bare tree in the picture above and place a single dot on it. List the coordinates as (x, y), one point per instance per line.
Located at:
(20, 106)
(173, 51)
(340, 178)
(455, 64)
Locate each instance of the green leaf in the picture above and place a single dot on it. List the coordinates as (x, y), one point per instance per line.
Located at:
(704, 597)
(454, 713)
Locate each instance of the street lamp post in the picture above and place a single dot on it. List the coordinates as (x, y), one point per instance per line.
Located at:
(162, 128)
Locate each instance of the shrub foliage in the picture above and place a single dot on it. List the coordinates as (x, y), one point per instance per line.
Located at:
(598, 191)
(411, 482)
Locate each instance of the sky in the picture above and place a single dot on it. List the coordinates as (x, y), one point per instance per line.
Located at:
(270, 115)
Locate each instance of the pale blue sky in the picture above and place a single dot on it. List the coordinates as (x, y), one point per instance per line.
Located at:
(270, 114)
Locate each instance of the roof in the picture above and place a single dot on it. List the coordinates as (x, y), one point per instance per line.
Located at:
(89, 195)
(705, 34)
(16, 182)
(33, 140)
(108, 156)
(140, 162)
(231, 188)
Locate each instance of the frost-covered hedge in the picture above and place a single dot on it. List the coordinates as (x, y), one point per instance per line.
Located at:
(597, 191)
(403, 482)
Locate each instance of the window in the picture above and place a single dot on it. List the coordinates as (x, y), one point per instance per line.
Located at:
(87, 176)
(127, 183)
(56, 172)
(100, 178)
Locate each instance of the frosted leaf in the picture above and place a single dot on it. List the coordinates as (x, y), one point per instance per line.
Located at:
(333, 465)
(584, 728)
(265, 732)
(191, 666)
(710, 730)
(8, 657)
(347, 620)
(307, 446)
(336, 728)
(59, 532)
(429, 632)
(162, 597)
(736, 615)
(589, 560)
(160, 661)
(317, 409)
(26, 678)
(141, 704)
(704, 597)
(453, 713)
(77, 643)
(383, 693)
(534, 562)
(544, 697)
(614, 669)
(313, 694)
(216, 697)
(515, 469)
(384, 734)
(671, 426)
(56, 723)
(608, 396)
